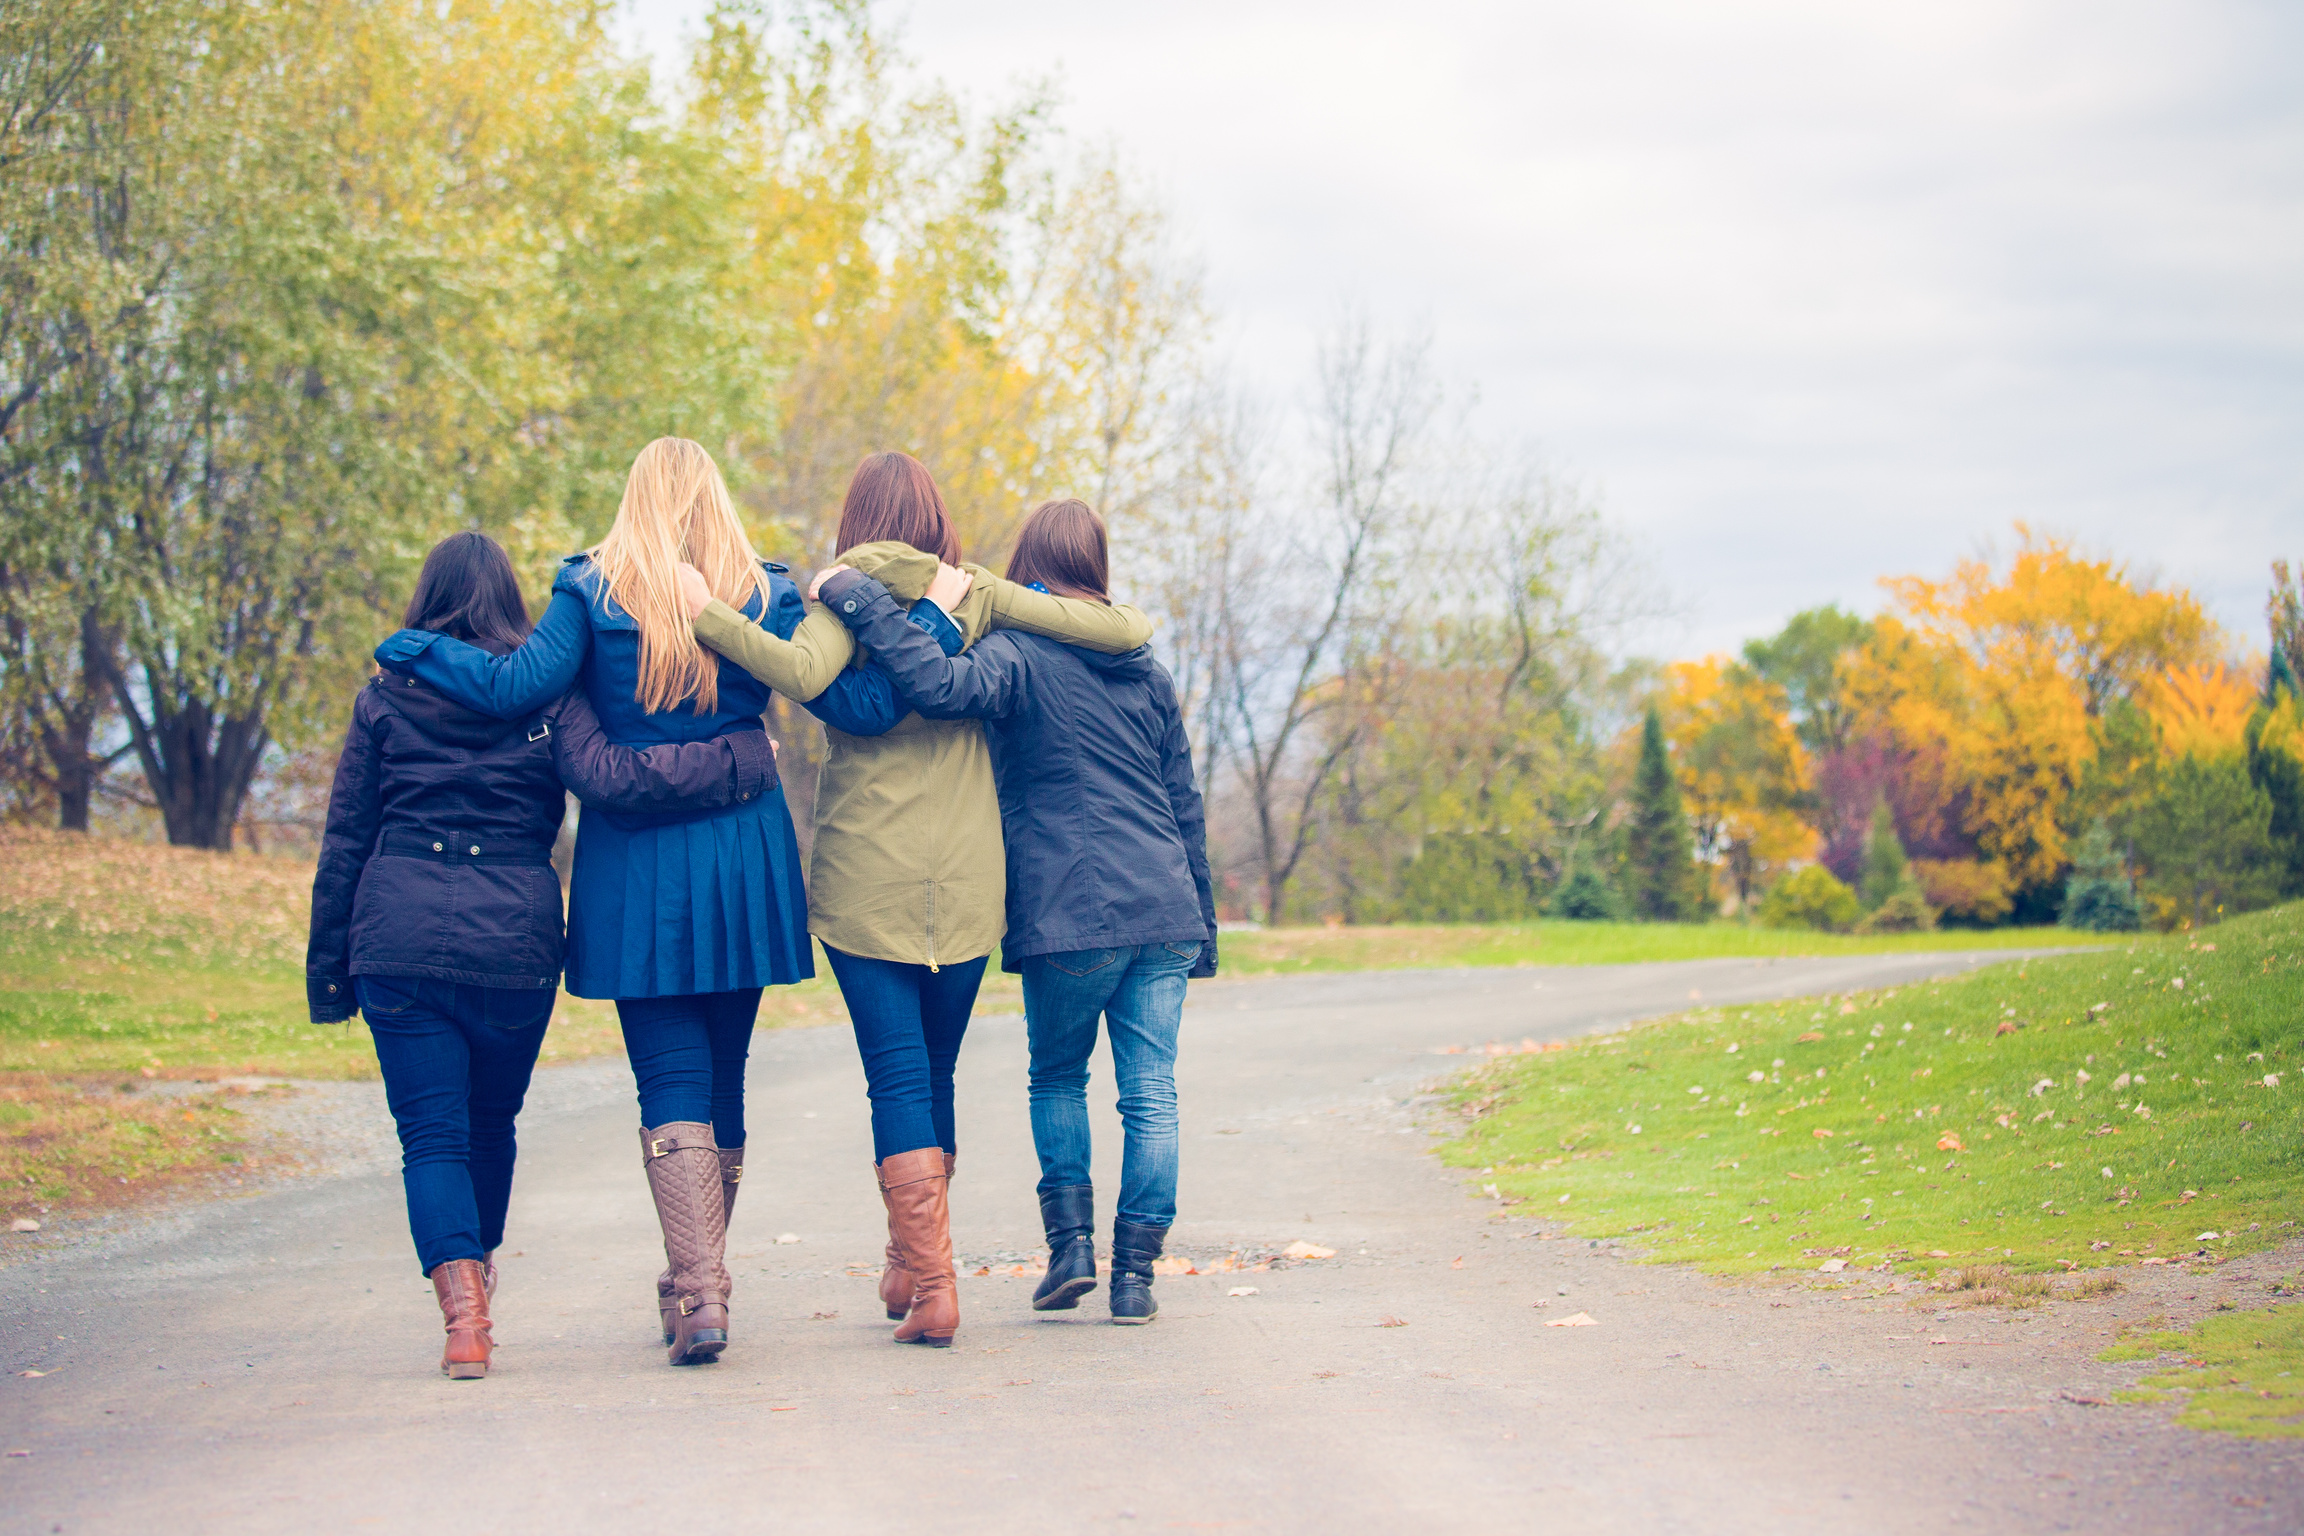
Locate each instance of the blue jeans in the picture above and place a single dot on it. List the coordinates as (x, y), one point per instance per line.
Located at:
(687, 1056)
(1140, 993)
(456, 1061)
(909, 1021)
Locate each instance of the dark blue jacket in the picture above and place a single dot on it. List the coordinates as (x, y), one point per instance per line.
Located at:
(584, 635)
(1107, 842)
(436, 858)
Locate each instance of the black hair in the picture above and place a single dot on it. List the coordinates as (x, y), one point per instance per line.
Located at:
(467, 591)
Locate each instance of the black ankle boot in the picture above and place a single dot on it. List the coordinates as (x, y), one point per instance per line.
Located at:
(1068, 1215)
(1133, 1250)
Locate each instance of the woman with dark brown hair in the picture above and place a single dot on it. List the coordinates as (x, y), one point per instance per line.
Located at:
(906, 876)
(1109, 906)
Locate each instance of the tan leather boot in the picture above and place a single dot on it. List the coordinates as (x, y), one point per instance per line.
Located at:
(461, 1287)
(895, 1279)
(914, 1187)
(684, 1178)
(731, 1174)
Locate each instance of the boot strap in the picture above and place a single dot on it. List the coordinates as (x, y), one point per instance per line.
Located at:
(675, 1141)
(701, 1299)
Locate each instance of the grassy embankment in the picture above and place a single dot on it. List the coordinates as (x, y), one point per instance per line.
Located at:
(122, 964)
(2116, 1107)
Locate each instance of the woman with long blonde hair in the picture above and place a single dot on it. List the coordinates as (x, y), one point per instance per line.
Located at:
(682, 920)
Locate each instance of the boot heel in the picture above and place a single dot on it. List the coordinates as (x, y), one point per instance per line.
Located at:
(465, 1370)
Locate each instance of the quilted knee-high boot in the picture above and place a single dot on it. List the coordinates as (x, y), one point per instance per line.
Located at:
(731, 1174)
(895, 1279)
(684, 1178)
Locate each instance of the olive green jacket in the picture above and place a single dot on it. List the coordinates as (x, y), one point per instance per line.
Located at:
(908, 863)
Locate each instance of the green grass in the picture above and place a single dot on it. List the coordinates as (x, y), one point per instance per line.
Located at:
(1290, 951)
(1939, 1122)
(2236, 1372)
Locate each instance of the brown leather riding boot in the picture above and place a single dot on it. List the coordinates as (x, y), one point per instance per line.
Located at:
(461, 1287)
(914, 1185)
(731, 1174)
(895, 1279)
(684, 1178)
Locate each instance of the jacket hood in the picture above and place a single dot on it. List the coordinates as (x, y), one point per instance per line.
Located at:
(1128, 665)
(440, 717)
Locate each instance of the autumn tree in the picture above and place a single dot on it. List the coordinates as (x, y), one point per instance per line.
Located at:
(1742, 769)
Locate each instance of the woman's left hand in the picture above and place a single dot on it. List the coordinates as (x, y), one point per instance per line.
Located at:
(816, 587)
(949, 587)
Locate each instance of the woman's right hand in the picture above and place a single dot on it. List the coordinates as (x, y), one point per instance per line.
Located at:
(695, 593)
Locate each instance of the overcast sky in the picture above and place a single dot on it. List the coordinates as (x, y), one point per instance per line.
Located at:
(1811, 292)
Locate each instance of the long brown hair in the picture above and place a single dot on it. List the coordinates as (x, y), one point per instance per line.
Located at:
(676, 508)
(1063, 546)
(892, 496)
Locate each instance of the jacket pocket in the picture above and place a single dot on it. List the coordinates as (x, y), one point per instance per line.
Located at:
(1082, 962)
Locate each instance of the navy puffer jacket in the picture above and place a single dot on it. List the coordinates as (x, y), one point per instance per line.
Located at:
(1107, 842)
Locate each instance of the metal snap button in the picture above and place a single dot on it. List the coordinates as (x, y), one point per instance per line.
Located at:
(436, 848)
(848, 606)
(331, 986)
(745, 795)
(475, 847)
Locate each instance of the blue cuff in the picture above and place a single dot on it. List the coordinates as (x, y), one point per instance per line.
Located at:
(939, 626)
(403, 646)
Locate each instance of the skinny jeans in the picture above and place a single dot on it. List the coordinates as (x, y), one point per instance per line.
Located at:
(909, 1021)
(456, 1063)
(687, 1056)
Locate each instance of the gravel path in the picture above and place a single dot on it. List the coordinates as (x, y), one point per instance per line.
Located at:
(266, 1363)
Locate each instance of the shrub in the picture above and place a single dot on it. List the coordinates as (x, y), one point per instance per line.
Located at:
(1585, 896)
(1810, 898)
(1905, 910)
(1970, 889)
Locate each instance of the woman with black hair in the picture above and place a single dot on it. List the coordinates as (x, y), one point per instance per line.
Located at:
(436, 911)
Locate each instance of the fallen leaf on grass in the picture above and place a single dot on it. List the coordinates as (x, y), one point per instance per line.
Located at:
(1810, 1037)
(23, 1224)
(1573, 1320)
(1303, 1250)
(1949, 1143)
(1242, 1290)
(1833, 1266)
(1820, 1131)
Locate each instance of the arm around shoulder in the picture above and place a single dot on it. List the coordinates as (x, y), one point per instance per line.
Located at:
(799, 668)
(1113, 628)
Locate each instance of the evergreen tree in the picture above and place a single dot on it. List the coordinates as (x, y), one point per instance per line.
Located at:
(2100, 897)
(1885, 867)
(2205, 839)
(1663, 881)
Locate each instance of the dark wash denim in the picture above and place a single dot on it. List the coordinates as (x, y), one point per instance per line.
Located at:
(909, 1021)
(456, 1061)
(687, 1057)
(1139, 991)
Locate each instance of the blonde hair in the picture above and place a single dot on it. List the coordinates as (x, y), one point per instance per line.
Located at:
(676, 508)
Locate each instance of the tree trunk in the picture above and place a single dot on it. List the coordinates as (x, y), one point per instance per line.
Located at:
(198, 764)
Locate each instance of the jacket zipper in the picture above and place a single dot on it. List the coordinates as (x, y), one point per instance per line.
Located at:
(931, 885)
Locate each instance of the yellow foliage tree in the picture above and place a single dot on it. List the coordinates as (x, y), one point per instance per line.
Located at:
(2199, 711)
(1741, 767)
(2010, 674)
